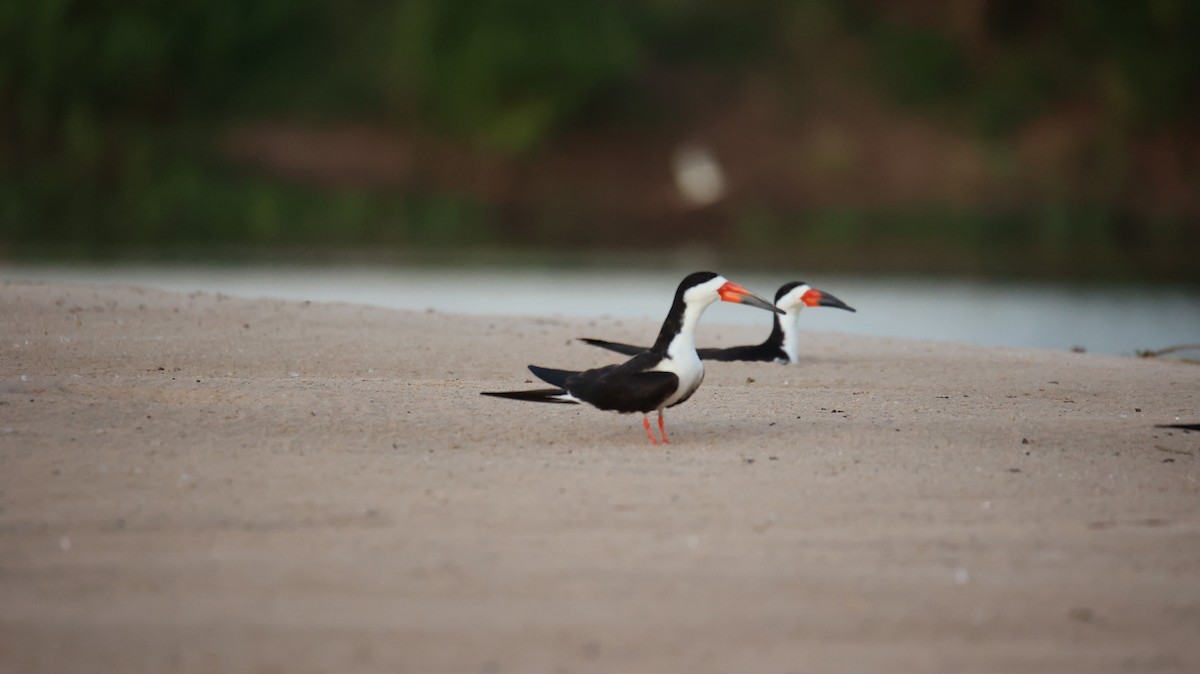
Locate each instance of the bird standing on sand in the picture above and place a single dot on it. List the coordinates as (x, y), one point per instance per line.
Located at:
(783, 344)
(662, 376)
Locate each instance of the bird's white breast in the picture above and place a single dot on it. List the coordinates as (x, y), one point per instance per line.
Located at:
(683, 362)
(791, 335)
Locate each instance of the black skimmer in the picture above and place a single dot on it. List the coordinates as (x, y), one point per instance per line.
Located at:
(782, 346)
(662, 376)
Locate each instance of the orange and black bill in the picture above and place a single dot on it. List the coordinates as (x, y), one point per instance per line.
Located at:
(815, 298)
(732, 292)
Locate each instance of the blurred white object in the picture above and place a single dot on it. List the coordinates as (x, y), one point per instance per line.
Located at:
(698, 175)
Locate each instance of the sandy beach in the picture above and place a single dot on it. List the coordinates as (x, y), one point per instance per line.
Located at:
(198, 483)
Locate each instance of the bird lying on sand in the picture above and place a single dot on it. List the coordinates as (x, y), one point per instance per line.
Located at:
(783, 344)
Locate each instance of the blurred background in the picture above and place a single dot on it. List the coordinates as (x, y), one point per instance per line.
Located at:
(1013, 141)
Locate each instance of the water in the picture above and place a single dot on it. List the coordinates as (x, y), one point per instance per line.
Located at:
(1107, 319)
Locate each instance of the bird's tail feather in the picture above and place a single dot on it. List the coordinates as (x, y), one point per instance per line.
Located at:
(543, 395)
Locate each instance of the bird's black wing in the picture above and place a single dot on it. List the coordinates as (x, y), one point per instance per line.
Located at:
(623, 387)
(758, 353)
(551, 376)
(1182, 427)
(626, 349)
(621, 390)
(542, 395)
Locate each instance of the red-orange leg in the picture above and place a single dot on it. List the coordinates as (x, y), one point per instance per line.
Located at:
(646, 423)
(661, 428)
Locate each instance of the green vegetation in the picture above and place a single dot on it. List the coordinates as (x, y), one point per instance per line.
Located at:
(1056, 240)
(110, 113)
